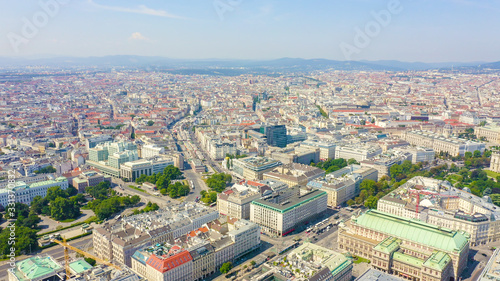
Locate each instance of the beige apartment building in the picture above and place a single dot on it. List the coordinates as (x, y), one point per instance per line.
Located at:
(203, 261)
(490, 133)
(198, 253)
(495, 162)
(295, 174)
(344, 187)
(236, 204)
(445, 206)
(117, 240)
(280, 213)
(253, 168)
(453, 146)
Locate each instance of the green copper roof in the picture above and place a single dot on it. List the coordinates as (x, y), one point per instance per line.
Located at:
(398, 256)
(388, 245)
(438, 260)
(413, 230)
(40, 183)
(80, 266)
(36, 267)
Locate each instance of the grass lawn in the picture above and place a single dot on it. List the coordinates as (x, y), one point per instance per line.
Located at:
(492, 174)
(360, 260)
(68, 220)
(454, 178)
(138, 189)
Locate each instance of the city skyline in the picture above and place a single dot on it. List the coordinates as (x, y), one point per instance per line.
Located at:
(427, 31)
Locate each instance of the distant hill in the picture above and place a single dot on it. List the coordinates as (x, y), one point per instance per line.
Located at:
(236, 66)
(492, 65)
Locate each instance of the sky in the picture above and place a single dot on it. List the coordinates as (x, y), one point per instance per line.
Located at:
(405, 30)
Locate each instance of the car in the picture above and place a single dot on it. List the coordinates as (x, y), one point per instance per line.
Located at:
(484, 255)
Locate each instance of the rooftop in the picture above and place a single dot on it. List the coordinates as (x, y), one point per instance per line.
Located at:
(411, 260)
(36, 267)
(80, 266)
(413, 230)
(388, 245)
(258, 163)
(317, 256)
(376, 275)
(438, 260)
(294, 201)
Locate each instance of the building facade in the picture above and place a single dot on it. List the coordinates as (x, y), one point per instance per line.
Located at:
(490, 133)
(357, 153)
(236, 204)
(344, 187)
(453, 146)
(495, 162)
(405, 247)
(442, 205)
(151, 150)
(23, 193)
(326, 149)
(280, 213)
(295, 174)
(254, 167)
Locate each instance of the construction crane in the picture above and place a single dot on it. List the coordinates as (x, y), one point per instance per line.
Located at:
(418, 192)
(85, 254)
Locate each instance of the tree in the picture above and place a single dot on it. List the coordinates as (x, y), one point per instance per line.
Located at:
(352, 161)
(18, 210)
(151, 123)
(218, 182)
(487, 191)
(100, 191)
(226, 267)
(253, 263)
(350, 202)
(371, 202)
(78, 199)
(46, 170)
(30, 222)
(25, 240)
(55, 192)
(62, 208)
(90, 261)
(477, 154)
(369, 186)
(395, 171)
(71, 191)
(487, 153)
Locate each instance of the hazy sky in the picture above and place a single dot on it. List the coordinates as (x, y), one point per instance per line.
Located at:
(418, 30)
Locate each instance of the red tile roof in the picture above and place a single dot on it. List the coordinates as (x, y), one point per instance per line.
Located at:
(165, 264)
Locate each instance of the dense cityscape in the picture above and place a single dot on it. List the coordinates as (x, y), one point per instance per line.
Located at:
(249, 140)
(310, 176)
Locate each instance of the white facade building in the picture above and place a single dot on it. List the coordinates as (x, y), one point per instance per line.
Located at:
(23, 193)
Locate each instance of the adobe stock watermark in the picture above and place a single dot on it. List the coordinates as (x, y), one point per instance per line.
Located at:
(31, 26)
(223, 6)
(372, 29)
(11, 212)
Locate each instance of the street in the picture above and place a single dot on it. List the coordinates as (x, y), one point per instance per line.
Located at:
(198, 184)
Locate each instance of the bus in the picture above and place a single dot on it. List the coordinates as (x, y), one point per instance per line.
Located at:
(213, 204)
